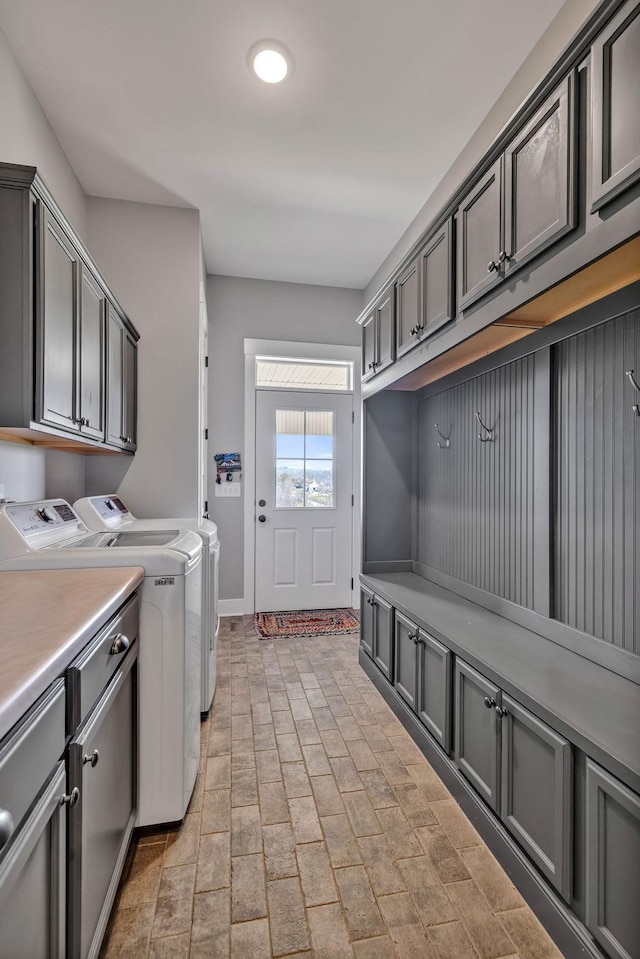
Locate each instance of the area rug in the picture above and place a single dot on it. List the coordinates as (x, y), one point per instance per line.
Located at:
(306, 622)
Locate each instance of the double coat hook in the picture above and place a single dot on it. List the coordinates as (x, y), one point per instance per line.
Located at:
(484, 439)
(632, 380)
(447, 444)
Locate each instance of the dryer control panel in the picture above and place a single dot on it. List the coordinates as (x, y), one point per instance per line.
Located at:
(109, 507)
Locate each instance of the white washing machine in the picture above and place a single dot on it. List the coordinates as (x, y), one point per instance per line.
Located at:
(50, 535)
(108, 512)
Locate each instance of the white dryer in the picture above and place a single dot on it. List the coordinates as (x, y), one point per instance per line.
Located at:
(108, 512)
(50, 535)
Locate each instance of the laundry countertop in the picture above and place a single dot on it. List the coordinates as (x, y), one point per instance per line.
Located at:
(46, 618)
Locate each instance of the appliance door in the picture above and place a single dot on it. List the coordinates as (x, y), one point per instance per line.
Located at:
(211, 624)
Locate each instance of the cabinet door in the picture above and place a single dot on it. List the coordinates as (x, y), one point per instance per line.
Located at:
(615, 105)
(613, 858)
(57, 311)
(386, 330)
(369, 347)
(130, 391)
(383, 644)
(115, 378)
(436, 280)
(434, 689)
(408, 324)
(477, 735)
(366, 621)
(91, 358)
(33, 880)
(480, 237)
(540, 175)
(406, 660)
(536, 794)
(102, 761)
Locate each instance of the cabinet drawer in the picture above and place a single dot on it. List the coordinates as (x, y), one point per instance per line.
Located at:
(94, 667)
(30, 751)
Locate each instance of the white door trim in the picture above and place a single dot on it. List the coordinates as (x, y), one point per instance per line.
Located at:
(311, 351)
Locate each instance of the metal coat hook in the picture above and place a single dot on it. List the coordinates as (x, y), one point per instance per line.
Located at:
(484, 439)
(632, 380)
(447, 444)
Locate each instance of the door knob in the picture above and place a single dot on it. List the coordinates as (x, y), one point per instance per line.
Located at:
(262, 502)
(262, 518)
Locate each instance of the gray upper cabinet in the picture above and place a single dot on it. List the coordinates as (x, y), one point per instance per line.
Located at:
(477, 731)
(480, 236)
(540, 180)
(536, 795)
(408, 327)
(615, 105)
(91, 372)
(434, 689)
(378, 336)
(523, 203)
(53, 315)
(437, 263)
(424, 291)
(613, 864)
(57, 312)
(121, 383)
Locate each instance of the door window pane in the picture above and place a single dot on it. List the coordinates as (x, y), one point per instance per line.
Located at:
(305, 474)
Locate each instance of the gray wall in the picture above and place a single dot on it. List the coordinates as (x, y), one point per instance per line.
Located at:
(26, 137)
(150, 255)
(560, 32)
(240, 308)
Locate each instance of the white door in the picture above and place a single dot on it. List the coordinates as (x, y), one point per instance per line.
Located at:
(304, 489)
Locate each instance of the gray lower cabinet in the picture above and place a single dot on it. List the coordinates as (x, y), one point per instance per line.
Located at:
(434, 688)
(477, 731)
(366, 621)
(521, 768)
(423, 677)
(376, 631)
(102, 761)
(615, 106)
(121, 383)
(406, 660)
(33, 879)
(613, 864)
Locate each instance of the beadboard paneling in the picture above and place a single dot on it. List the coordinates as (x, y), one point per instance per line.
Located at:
(481, 517)
(597, 561)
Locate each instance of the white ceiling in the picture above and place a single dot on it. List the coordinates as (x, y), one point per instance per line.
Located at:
(311, 181)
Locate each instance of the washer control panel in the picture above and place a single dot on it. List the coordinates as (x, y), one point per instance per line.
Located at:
(33, 518)
(109, 507)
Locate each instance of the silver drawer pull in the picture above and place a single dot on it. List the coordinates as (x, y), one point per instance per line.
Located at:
(93, 759)
(119, 645)
(70, 799)
(6, 827)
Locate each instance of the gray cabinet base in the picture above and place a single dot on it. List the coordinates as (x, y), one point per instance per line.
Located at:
(565, 929)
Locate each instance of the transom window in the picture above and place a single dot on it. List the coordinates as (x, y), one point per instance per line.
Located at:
(290, 374)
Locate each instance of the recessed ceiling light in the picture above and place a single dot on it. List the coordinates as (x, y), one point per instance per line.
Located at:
(269, 61)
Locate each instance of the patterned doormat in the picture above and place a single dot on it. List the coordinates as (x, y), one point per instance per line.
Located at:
(306, 622)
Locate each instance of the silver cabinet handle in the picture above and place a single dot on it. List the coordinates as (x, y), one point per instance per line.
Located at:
(501, 711)
(489, 702)
(6, 827)
(70, 799)
(119, 645)
(93, 759)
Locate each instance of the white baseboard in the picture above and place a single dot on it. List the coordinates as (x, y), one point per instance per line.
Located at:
(233, 607)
